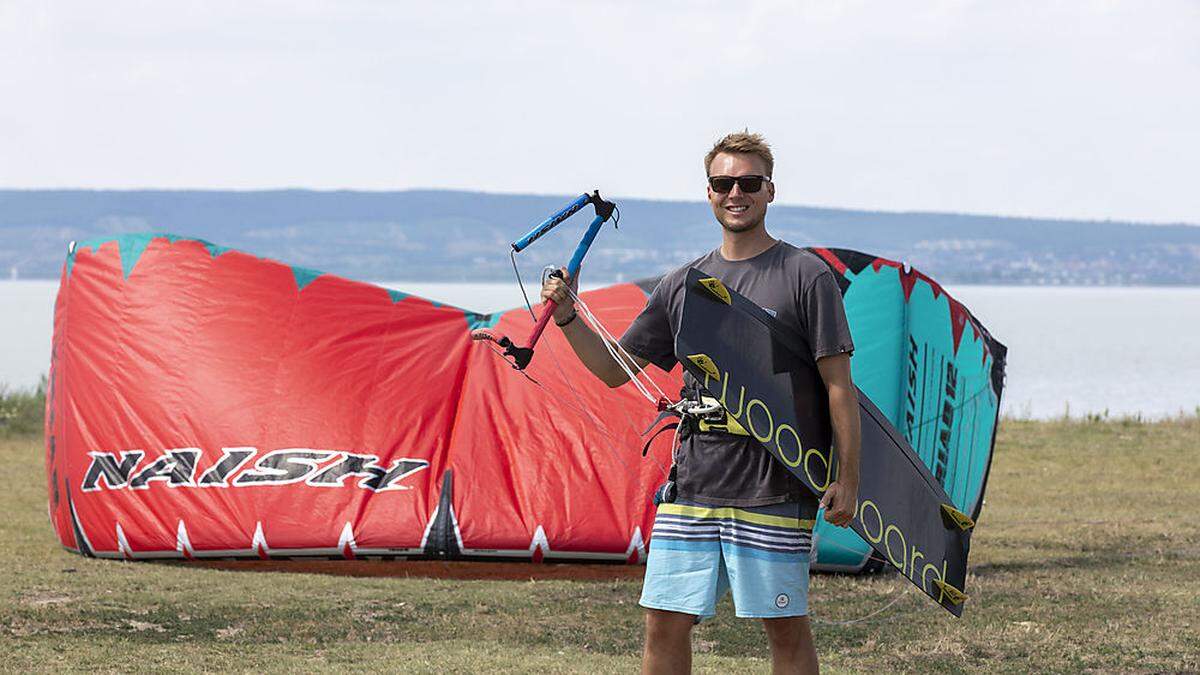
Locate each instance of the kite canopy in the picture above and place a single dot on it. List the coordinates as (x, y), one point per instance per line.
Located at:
(208, 403)
(933, 370)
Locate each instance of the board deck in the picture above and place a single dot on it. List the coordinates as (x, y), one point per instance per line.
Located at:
(764, 374)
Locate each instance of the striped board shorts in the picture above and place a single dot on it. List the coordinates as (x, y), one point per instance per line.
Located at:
(699, 552)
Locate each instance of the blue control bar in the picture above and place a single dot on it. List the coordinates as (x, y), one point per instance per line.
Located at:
(584, 245)
(552, 222)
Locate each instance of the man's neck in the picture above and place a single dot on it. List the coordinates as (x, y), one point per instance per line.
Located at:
(747, 244)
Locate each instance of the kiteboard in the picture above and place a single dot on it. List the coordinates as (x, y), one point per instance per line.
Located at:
(764, 375)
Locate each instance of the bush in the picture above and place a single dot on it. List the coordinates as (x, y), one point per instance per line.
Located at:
(22, 412)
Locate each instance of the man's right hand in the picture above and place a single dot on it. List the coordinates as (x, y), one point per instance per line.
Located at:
(589, 346)
(556, 289)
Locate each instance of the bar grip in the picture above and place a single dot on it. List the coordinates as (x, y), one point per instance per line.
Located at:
(551, 222)
(542, 322)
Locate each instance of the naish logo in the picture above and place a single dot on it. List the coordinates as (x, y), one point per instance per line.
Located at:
(949, 405)
(179, 468)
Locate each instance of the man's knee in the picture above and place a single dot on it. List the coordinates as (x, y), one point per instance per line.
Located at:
(789, 633)
(664, 626)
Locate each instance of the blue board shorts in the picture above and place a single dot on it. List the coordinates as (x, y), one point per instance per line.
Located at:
(699, 552)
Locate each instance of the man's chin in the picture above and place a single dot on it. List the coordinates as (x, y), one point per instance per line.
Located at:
(740, 227)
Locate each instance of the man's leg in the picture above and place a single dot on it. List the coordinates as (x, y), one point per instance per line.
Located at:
(766, 553)
(792, 648)
(668, 647)
(685, 577)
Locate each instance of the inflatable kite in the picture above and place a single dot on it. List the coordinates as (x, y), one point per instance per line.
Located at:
(207, 403)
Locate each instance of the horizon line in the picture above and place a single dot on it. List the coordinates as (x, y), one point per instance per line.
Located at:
(904, 212)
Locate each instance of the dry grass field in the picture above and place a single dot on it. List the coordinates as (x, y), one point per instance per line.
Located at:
(1086, 558)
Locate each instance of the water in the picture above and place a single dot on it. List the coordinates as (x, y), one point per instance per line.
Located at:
(26, 324)
(1081, 350)
(1071, 350)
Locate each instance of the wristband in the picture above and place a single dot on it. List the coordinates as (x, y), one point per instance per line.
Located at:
(573, 315)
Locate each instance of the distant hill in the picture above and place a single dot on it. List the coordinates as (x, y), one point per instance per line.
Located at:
(435, 235)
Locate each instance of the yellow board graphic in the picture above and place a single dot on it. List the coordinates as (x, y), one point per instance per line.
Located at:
(713, 285)
(703, 362)
(952, 594)
(962, 520)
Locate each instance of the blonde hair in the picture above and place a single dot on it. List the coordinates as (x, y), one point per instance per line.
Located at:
(744, 143)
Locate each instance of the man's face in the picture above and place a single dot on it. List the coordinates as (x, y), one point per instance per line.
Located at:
(739, 211)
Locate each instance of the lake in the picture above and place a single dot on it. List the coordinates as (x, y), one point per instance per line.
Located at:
(1071, 350)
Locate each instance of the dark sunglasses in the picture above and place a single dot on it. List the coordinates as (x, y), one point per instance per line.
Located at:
(724, 184)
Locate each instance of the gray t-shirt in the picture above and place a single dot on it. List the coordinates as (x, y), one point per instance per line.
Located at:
(796, 287)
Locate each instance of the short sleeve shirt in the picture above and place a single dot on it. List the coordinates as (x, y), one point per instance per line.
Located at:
(800, 290)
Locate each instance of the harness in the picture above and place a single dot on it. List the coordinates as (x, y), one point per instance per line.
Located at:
(697, 413)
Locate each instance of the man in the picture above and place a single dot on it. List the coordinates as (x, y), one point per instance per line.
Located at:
(728, 491)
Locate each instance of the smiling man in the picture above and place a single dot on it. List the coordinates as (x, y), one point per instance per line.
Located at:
(732, 518)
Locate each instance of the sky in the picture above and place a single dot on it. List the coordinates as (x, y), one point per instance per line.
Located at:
(1082, 109)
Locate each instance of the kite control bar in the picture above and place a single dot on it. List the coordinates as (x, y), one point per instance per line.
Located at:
(521, 356)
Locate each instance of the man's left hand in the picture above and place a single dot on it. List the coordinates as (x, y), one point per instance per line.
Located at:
(840, 502)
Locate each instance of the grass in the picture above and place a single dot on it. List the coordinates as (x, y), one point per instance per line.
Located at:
(1086, 557)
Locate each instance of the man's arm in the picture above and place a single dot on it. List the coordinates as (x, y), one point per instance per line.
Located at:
(588, 345)
(841, 499)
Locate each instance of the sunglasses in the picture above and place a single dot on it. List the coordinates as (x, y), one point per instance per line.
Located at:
(724, 184)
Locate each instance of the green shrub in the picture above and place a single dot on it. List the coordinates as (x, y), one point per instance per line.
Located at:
(22, 411)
